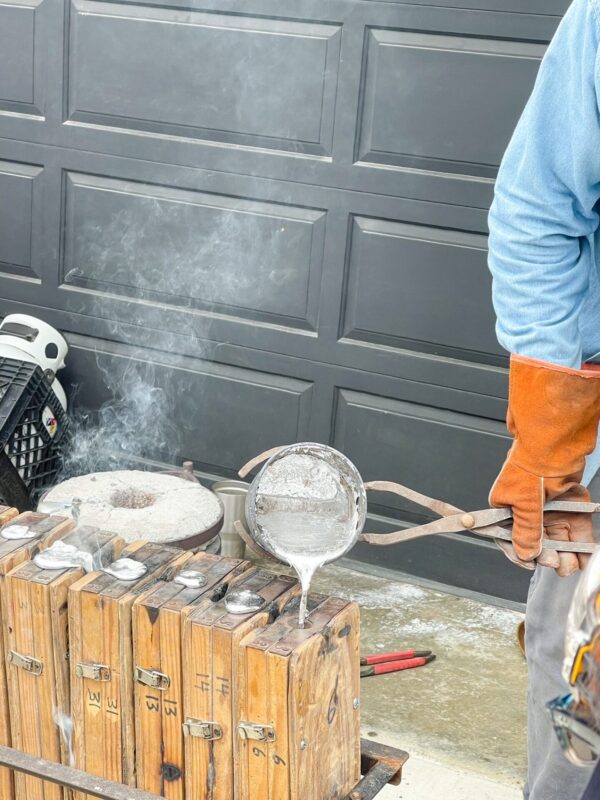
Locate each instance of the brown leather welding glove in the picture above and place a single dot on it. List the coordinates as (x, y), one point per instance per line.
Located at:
(553, 415)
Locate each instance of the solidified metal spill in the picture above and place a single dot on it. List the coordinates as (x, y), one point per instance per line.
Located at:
(307, 514)
(65, 725)
(191, 578)
(126, 569)
(64, 556)
(243, 602)
(18, 532)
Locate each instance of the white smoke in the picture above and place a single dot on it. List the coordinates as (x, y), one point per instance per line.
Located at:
(134, 424)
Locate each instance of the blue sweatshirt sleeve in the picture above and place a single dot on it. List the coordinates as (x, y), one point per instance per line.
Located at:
(545, 211)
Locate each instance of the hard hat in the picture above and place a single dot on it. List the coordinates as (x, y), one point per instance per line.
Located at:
(30, 339)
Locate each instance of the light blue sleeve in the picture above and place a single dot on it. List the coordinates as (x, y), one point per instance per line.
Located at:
(544, 211)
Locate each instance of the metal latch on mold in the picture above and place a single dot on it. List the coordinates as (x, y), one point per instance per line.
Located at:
(93, 672)
(256, 732)
(152, 678)
(29, 664)
(209, 731)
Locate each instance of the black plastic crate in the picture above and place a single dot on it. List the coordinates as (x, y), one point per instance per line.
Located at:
(33, 425)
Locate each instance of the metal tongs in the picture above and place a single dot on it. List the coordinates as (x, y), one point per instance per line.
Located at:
(482, 523)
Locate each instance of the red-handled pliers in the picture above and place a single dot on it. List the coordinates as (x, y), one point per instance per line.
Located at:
(382, 667)
(381, 658)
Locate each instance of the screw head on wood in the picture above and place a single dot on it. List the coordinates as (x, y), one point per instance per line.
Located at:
(356, 703)
(303, 744)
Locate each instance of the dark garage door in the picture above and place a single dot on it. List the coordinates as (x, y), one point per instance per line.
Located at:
(282, 207)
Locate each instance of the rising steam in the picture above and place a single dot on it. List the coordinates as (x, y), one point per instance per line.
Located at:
(133, 425)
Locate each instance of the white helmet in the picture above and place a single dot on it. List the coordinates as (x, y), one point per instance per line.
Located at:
(26, 338)
(30, 339)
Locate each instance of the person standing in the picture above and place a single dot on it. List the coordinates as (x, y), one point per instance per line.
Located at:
(544, 258)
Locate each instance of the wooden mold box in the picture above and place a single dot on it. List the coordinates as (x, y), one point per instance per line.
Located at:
(101, 654)
(36, 634)
(211, 637)
(157, 660)
(298, 706)
(12, 553)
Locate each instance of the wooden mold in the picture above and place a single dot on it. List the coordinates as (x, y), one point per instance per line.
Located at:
(12, 553)
(36, 634)
(298, 706)
(102, 663)
(211, 638)
(157, 659)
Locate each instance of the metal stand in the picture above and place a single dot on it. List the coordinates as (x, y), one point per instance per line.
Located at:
(380, 765)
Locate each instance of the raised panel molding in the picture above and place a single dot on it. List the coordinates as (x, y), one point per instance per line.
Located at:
(540, 7)
(16, 217)
(222, 254)
(442, 103)
(420, 288)
(440, 453)
(18, 91)
(235, 79)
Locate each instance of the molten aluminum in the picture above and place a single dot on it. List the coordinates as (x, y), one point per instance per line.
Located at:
(243, 602)
(126, 569)
(306, 507)
(18, 532)
(64, 556)
(191, 578)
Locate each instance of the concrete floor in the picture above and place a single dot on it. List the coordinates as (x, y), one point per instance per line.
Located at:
(462, 718)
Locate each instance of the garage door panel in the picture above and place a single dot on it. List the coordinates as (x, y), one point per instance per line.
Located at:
(207, 404)
(440, 102)
(440, 453)
(18, 57)
(418, 287)
(234, 255)
(254, 81)
(16, 217)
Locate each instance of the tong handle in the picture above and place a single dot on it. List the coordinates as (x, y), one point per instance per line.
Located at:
(573, 506)
(260, 459)
(437, 506)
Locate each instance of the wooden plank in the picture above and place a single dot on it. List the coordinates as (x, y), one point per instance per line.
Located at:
(157, 626)
(278, 752)
(105, 734)
(26, 609)
(46, 590)
(257, 710)
(76, 687)
(48, 745)
(222, 687)
(172, 762)
(211, 641)
(12, 553)
(88, 728)
(197, 704)
(20, 621)
(304, 683)
(147, 702)
(324, 681)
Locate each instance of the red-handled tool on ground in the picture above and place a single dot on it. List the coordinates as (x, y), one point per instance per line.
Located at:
(395, 666)
(382, 658)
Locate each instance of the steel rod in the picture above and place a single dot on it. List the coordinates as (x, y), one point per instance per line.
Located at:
(69, 777)
(381, 765)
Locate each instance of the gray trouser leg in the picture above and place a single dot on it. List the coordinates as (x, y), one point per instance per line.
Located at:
(550, 775)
